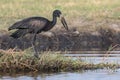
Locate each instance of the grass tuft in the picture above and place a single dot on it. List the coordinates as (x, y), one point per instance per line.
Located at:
(48, 62)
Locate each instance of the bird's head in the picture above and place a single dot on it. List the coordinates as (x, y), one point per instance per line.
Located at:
(57, 13)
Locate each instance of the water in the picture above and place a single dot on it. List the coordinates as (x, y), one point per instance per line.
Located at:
(104, 74)
(96, 58)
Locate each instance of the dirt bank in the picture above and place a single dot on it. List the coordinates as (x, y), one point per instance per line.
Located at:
(101, 39)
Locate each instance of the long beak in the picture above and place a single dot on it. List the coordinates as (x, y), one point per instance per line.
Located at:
(63, 21)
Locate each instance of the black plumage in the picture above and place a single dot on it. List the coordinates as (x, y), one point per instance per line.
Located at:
(36, 25)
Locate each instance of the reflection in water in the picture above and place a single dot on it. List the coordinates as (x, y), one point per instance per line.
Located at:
(87, 75)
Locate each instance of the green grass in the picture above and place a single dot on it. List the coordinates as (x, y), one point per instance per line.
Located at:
(14, 10)
(48, 62)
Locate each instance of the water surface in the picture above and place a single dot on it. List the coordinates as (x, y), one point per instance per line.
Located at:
(104, 74)
(96, 58)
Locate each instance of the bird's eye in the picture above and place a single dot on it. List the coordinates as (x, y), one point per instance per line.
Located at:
(58, 15)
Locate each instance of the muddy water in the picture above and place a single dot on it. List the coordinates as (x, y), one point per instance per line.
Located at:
(86, 75)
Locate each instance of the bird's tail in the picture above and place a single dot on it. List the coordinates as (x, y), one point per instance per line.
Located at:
(19, 33)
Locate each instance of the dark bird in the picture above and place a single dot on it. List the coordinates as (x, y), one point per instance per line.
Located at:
(36, 25)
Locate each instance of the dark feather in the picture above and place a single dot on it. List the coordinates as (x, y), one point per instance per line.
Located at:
(30, 23)
(19, 33)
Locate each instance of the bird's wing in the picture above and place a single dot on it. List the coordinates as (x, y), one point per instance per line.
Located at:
(37, 23)
(33, 23)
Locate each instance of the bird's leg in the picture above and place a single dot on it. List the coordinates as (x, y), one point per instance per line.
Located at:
(33, 45)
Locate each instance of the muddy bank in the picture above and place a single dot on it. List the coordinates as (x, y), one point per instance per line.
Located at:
(101, 39)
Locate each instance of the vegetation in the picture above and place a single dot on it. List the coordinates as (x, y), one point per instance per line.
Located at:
(49, 62)
(77, 12)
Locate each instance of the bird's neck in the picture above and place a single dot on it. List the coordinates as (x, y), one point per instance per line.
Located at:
(53, 22)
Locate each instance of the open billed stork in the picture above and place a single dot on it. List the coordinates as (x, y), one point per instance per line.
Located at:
(36, 25)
